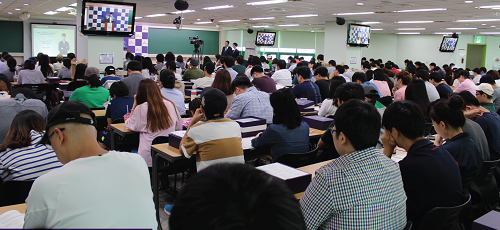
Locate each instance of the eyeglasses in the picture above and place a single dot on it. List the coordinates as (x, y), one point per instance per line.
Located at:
(48, 139)
(332, 130)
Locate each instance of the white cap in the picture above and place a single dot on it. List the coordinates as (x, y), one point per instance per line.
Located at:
(485, 88)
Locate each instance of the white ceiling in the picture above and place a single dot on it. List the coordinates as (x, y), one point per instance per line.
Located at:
(457, 10)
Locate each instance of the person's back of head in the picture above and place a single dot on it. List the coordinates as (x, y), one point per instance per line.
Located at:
(240, 60)
(340, 69)
(170, 57)
(463, 73)
(171, 66)
(19, 135)
(282, 64)
(367, 65)
(71, 56)
(160, 58)
(320, 57)
(241, 197)
(285, 109)
(229, 61)
(256, 69)
(118, 89)
(11, 63)
(417, 92)
(158, 117)
(93, 80)
(213, 103)
(134, 66)
(194, 105)
(129, 56)
(241, 82)
(477, 71)
(346, 67)
(222, 81)
(483, 69)
(449, 111)
(29, 64)
(359, 122)
(437, 77)
(92, 70)
(303, 71)
(67, 63)
(359, 76)
(167, 78)
(110, 70)
(80, 71)
(348, 91)
(469, 99)
(59, 57)
(406, 117)
(369, 75)
(487, 79)
(411, 69)
(321, 71)
(209, 67)
(332, 63)
(138, 58)
(422, 74)
(377, 63)
(293, 61)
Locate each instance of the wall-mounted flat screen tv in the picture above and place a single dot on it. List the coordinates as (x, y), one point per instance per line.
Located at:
(265, 38)
(358, 35)
(108, 18)
(448, 44)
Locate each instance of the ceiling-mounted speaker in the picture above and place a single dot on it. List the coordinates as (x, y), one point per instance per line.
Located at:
(454, 35)
(181, 5)
(340, 21)
(250, 31)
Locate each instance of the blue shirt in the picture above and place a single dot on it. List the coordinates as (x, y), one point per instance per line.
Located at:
(251, 103)
(466, 154)
(444, 91)
(232, 72)
(118, 107)
(490, 123)
(175, 96)
(359, 190)
(104, 79)
(309, 90)
(283, 140)
(369, 83)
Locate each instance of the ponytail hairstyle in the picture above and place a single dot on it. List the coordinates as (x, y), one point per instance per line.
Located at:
(449, 111)
(11, 63)
(45, 66)
(93, 81)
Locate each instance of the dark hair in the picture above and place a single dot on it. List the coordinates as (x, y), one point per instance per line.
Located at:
(411, 69)
(240, 60)
(477, 70)
(160, 58)
(303, 71)
(138, 58)
(128, 56)
(93, 80)
(360, 122)
(263, 59)
(422, 74)
(194, 105)
(229, 61)
(134, 65)
(464, 73)
(282, 64)
(332, 62)
(406, 117)
(256, 69)
(118, 89)
(170, 57)
(432, 64)
(449, 111)
(335, 82)
(67, 63)
(148, 64)
(179, 58)
(227, 42)
(417, 92)
(379, 75)
(171, 66)
(235, 44)
(367, 65)
(293, 61)
(348, 91)
(369, 75)
(405, 76)
(167, 78)
(241, 82)
(493, 73)
(436, 77)
(286, 110)
(222, 81)
(19, 134)
(28, 64)
(322, 71)
(241, 197)
(487, 79)
(158, 117)
(11, 63)
(483, 69)
(110, 70)
(469, 99)
(209, 67)
(340, 69)
(80, 71)
(206, 60)
(359, 76)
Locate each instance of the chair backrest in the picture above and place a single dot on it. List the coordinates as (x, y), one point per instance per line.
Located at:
(67, 94)
(118, 121)
(443, 217)
(160, 140)
(14, 192)
(487, 171)
(408, 226)
(297, 160)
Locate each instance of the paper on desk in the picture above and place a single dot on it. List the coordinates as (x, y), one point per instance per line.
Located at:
(179, 133)
(12, 219)
(316, 108)
(246, 120)
(282, 171)
(246, 143)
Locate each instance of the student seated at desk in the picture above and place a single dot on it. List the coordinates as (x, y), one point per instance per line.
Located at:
(361, 189)
(217, 140)
(110, 74)
(431, 176)
(167, 84)
(329, 105)
(134, 77)
(68, 198)
(179, 84)
(21, 158)
(206, 81)
(261, 81)
(193, 106)
(93, 94)
(152, 115)
(235, 196)
(222, 81)
(79, 78)
(288, 133)
(306, 88)
(29, 75)
(65, 73)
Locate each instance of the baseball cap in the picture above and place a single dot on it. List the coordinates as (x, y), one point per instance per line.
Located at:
(194, 62)
(484, 87)
(214, 102)
(68, 111)
(370, 90)
(91, 70)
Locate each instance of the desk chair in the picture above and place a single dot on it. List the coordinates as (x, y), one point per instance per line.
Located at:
(67, 94)
(298, 160)
(43, 92)
(14, 192)
(484, 190)
(443, 218)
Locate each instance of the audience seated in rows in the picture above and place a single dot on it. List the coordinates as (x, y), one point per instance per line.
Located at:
(306, 88)
(465, 83)
(179, 84)
(207, 80)
(496, 90)
(110, 74)
(323, 82)
(261, 81)
(66, 72)
(193, 72)
(443, 89)
(402, 79)
(166, 84)
(93, 94)
(329, 105)
(432, 92)
(28, 75)
(379, 79)
(361, 78)
(282, 76)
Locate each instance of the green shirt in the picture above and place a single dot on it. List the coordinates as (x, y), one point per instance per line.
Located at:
(193, 73)
(92, 97)
(489, 106)
(239, 68)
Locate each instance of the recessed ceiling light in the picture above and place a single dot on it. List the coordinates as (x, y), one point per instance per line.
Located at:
(415, 22)
(183, 11)
(268, 18)
(17, 9)
(266, 2)
(357, 13)
(138, 17)
(64, 8)
(484, 24)
(51, 12)
(493, 26)
(490, 7)
(421, 10)
(0, 2)
(410, 28)
(377, 29)
(408, 33)
(26, 4)
(202, 22)
(368, 23)
(289, 25)
(199, 19)
(230, 20)
(479, 20)
(9, 12)
(360, 4)
(446, 33)
(155, 15)
(489, 32)
(468, 1)
(462, 28)
(218, 7)
(302, 16)
(74, 4)
(263, 26)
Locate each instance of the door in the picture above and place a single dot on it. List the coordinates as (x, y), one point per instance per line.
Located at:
(475, 56)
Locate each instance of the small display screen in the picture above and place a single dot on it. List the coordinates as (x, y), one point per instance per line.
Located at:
(448, 44)
(359, 35)
(108, 17)
(265, 38)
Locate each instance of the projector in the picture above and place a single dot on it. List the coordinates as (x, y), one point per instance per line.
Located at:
(24, 16)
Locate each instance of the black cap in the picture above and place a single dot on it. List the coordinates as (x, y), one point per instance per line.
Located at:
(68, 111)
(214, 102)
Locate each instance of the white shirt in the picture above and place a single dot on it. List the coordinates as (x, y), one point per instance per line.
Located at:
(349, 74)
(346, 78)
(431, 91)
(203, 82)
(108, 191)
(282, 77)
(477, 78)
(331, 69)
(327, 108)
(249, 70)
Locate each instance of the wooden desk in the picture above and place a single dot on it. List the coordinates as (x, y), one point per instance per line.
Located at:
(311, 169)
(315, 132)
(99, 113)
(19, 207)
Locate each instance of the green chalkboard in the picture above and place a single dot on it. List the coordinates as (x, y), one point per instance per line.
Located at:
(11, 36)
(161, 40)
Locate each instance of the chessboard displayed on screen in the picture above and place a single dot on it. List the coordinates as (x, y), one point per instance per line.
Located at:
(265, 38)
(108, 17)
(448, 44)
(359, 35)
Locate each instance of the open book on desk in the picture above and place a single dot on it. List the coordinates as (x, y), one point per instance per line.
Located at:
(12, 219)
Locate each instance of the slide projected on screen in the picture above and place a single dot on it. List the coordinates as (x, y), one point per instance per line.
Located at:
(53, 39)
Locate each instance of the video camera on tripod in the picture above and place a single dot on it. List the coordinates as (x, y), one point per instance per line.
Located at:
(197, 42)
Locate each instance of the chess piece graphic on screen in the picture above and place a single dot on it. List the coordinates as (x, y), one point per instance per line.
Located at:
(63, 45)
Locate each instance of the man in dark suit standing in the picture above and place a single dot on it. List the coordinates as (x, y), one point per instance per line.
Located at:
(63, 45)
(236, 52)
(226, 50)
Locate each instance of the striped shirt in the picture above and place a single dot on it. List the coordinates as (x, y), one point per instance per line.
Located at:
(213, 142)
(27, 163)
(359, 190)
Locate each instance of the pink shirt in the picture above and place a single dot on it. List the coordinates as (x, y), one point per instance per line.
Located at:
(466, 86)
(138, 121)
(383, 87)
(396, 71)
(400, 93)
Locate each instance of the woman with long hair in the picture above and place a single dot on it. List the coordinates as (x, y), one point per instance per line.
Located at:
(79, 78)
(328, 106)
(448, 76)
(93, 94)
(222, 81)
(21, 157)
(11, 71)
(45, 67)
(148, 68)
(288, 133)
(383, 83)
(152, 115)
(417, 92)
